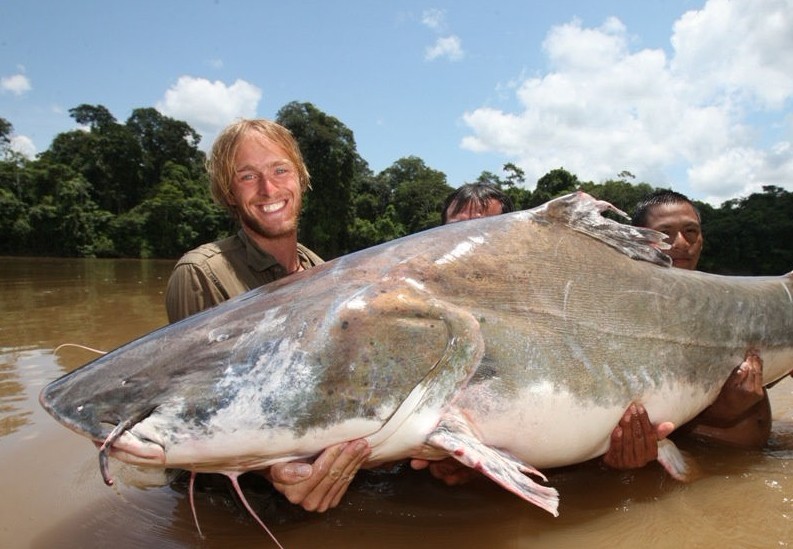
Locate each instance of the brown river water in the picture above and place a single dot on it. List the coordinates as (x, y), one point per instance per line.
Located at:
(52, 494)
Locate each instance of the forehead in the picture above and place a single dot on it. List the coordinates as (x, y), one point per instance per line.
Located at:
(675, 214)
(254, 148)
(492, 206)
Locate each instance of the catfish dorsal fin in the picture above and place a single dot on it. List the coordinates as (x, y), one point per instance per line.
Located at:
(583, 213)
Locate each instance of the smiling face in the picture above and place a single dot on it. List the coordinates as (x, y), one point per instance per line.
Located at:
(680, 223)
(265, 189)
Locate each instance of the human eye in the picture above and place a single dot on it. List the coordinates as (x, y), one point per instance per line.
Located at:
(246, 177)
(282, 170)
(692, 233)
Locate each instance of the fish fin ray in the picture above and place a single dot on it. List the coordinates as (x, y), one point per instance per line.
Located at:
(583, 213)
(455, 436)
(680, 465)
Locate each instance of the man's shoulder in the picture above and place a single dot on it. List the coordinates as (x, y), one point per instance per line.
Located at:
(312, 258)
(211, 251)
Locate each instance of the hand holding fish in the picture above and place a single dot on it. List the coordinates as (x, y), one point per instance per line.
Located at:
(742, 391)
(634, 441)
(320, 486)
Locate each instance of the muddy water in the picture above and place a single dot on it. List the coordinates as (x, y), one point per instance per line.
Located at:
(51, 493)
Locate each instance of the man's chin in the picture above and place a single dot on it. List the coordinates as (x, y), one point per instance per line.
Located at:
(269, 228)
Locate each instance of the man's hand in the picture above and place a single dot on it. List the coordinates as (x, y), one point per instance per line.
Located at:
(741, 414)
(742, 390)
(319, 486)
(449, 470)
(634, 441)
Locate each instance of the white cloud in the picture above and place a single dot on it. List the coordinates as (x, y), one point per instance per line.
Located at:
(209, 106)
(603, 108)
(449, 47)
(738, 49)
(434, 19)
(24, 146)
(17, 84)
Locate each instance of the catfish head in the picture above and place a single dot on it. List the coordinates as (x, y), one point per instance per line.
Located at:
(106, 398)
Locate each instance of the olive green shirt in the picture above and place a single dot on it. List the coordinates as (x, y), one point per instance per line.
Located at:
(215, 272)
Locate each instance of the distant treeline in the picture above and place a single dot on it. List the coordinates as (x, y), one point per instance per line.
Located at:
(139, 189)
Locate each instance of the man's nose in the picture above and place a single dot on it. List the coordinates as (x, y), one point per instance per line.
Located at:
(678, 240)
(267, 184)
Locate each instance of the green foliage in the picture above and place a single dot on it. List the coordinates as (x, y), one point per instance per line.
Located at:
(178, 217)
(6, 129)
(555, 183)
(417, 192)
(162, 140)
(375, 218)
(138, 189)
(366, 233)
(516, 177)
(749, 236)
(14, 222)
(80, 223)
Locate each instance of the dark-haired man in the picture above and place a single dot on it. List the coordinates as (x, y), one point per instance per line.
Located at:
(741, 414)
(474, 200)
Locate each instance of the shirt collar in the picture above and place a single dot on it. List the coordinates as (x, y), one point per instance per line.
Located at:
(258, 259)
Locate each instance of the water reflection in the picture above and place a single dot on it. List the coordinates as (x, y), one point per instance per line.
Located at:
(12, 416)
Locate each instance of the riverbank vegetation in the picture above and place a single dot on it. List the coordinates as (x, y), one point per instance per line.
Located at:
(139, 189)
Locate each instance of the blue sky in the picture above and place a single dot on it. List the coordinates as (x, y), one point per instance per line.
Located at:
(694, 95)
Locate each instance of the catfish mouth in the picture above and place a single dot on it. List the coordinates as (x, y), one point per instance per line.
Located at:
(128, 447)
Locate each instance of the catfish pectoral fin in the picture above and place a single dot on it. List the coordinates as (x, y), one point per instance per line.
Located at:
(454, 436)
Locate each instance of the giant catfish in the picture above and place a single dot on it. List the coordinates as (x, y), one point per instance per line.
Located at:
(510, 343)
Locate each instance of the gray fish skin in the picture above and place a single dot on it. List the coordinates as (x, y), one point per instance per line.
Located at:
(507, 341)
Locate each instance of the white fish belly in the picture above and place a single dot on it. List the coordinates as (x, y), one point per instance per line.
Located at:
(548, 427)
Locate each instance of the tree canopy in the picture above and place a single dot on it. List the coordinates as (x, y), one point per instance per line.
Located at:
(139, 189)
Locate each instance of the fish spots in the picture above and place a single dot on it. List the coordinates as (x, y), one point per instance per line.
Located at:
(345, 324)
